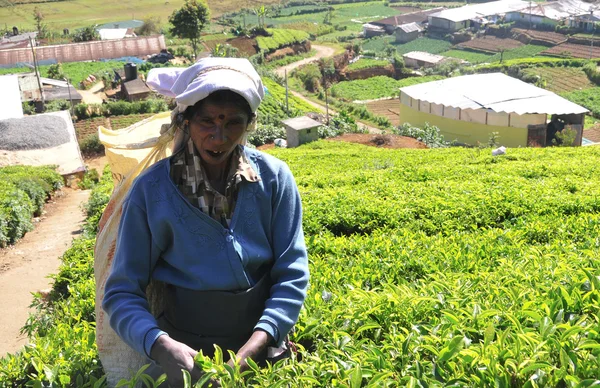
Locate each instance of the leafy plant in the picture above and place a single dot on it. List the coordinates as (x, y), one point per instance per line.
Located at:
(429, 134)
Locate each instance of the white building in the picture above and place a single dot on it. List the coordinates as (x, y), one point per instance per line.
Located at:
(455, 19)
(10, 98)
(574, 13)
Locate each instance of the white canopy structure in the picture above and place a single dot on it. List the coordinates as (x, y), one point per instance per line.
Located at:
(470, 107)
(495, 91)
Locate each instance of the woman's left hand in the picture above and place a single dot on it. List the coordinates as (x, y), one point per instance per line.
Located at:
(252, 348)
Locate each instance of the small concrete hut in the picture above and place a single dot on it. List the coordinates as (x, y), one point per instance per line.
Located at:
(301, 130)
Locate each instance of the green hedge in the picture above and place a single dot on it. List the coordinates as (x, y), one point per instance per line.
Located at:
(23, 192)
(367, 63)
(280, 38)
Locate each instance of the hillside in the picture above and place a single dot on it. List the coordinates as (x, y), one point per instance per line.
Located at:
(429, 268)
(80, 13)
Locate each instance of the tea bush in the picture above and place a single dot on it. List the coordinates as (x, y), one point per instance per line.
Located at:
(445, 267)
(23, 192)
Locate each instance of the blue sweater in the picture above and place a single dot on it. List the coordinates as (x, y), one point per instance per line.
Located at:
(198, 253)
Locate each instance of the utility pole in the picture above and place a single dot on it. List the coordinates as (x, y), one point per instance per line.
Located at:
(70, 98)
(287, 106)
(37, 73)
(593, 30)
(529, 15)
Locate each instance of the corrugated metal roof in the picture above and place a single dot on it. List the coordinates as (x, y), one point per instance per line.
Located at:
(123, 24)
(10, 98)
(372, 27)
(418, 16)
(496, 91)
(424, 57)
(559, 10)
(469, 12)
(410, 27)
(136, 86)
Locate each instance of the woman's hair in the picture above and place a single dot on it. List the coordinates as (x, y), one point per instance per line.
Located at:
(219, 97)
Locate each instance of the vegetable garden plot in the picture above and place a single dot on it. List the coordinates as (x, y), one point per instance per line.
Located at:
(389, 109)
(428, 268)
(467, 55)
(573, 50)
(561, 79)
(548, 36)
(490, 44)
(432, 46)
(588, 98)
(375, 87)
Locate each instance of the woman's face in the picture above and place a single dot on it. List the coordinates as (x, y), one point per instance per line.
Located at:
(216, 130)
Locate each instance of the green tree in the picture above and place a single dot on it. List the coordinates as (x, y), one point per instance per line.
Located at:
(38, 16)
(151, 26)
(260, 13)
(86, 34)
(189, 21)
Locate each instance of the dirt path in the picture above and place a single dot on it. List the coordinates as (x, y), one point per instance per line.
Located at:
(24, 267)
(94, 95)
(322, 52)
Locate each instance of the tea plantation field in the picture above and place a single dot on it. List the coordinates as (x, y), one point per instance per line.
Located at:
(434, 268)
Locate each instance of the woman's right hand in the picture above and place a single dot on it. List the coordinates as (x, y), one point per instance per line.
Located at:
(173, 356)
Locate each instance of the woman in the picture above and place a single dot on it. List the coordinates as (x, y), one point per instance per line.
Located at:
(218, 223)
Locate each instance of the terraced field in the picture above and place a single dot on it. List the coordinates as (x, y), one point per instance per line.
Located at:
(389, 109)
(546, 36)
(573, 50)
(562, 79)
(467, 55)
(429, 45)
(490, 44)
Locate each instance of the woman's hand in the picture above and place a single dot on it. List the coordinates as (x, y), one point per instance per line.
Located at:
(173, 356)
(252, 348)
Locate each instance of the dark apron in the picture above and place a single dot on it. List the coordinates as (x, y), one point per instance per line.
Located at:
(203, 318)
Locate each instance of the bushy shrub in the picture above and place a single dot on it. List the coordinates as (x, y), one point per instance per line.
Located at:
(591, 70)
(90, 179)
(310, 75)
(265, 134)
(340, 124)
(81, 111)
(57, 105)
(23, 192)
(429, 134)
(91, 145)
(56, 72)
(36, 189)
(16, 209)
(28, 108)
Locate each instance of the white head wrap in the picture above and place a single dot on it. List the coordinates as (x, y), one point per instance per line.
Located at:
(188, 86)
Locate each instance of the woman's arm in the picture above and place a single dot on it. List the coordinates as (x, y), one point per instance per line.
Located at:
(289, 273)
(125, 291)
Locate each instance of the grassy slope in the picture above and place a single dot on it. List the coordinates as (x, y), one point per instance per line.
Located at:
(79, 13)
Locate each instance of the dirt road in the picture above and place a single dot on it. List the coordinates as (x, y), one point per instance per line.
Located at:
(24, 267)
(322, 52)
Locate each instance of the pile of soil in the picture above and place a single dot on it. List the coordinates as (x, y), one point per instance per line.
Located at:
(383, 141)
(373, 140)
